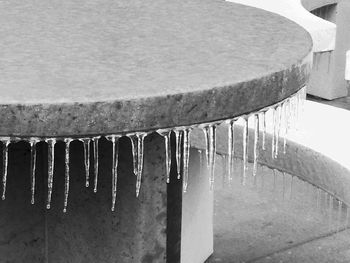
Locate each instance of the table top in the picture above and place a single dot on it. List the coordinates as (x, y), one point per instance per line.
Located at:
(103, 66)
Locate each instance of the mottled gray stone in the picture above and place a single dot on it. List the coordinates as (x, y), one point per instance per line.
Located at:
(102, 66)
(90, 232)
(22, 226)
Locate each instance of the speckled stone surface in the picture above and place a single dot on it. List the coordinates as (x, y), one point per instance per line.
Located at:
(102, 66)
(89, 232)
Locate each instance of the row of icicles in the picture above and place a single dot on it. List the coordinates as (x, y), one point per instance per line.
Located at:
(285, 115)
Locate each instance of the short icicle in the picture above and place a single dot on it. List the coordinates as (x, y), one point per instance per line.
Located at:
(210, 139)
(167, 134)
(66, 174)
(32, 144)
(95, 143)
(115, 153)
(245, 149)
(5, 145)
(178, 138)
(186, 157)
(256, 143)
(231, 149)
(51, 164)
(133, 139)
(86, 145)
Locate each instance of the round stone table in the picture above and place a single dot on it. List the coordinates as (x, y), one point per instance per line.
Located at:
(74, 69)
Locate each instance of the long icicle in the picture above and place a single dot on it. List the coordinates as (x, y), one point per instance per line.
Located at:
(274, 113)
(86, 145)
(166, 134)
(212, 153)
(178, 137)
(32, 143)
(245, 149)
(95, 143)
(286, 123)
(186, 157)
(256, 143)
(66, 175)
(263, 116)
(140, 147)
(231, 149)
(5, 145)
(207, 143)
(51, 164)
(115, 154)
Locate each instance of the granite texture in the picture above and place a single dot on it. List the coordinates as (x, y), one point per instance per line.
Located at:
(22, 226)
(102, 66)
(89, 231)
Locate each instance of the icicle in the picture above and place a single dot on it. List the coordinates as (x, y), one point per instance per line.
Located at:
(137, 140)
(277, 129)
(86, 145)
(231, 149)
(286, 121)
(166, 134)
(95, 143)
(283, 184)
(207, 144)
(5, 145)
(178, 136)
(133, 139)
(274, 123)
(245, 150)
(256, 143)
(51, 164)
(274, 179)
(32, 143)
(115, 152)
(66, 180)
(186, 157)
(210, 139)
(263, 114)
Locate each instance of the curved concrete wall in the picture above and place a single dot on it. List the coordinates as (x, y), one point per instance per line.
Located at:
(317, 153)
